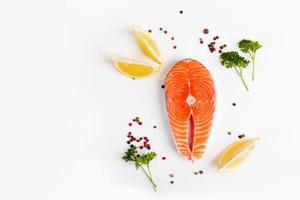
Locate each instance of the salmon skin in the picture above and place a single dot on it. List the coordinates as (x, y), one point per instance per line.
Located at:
(190, 98)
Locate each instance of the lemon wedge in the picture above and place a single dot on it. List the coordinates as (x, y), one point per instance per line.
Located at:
(235, 154)
(134, 69)
(147, 44)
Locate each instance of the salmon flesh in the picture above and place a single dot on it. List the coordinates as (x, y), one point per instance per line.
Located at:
(190, 98)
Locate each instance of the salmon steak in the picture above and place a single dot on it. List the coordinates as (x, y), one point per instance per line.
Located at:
(190, 98)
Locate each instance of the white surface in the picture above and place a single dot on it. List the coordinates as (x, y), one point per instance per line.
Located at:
(64, 109)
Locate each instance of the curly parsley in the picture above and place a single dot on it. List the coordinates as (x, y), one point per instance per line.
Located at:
(141, 161)
(232, 59)
(250, 47)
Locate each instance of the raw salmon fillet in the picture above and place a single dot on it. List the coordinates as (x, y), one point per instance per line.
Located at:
(190, 99)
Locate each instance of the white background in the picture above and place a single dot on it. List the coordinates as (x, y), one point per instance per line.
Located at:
(64, 109)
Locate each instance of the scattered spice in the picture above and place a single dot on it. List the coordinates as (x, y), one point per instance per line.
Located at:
(216, 37)
(241, 136)
(171, 175)
(201, 40)
(205, 31)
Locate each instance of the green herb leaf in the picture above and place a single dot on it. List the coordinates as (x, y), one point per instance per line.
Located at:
(232, 59)
(247, 46)
(141, 161)
(250, 47)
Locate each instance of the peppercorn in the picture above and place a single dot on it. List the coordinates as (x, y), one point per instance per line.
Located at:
(164, 158)
(174, 47)
(234, 104)
(162, 86)
(195, 173)
(165, 32)
(149, 30)
(229, 133)
(200, 171)
(171, 182)
(181, 12)
(205, 31)
(220, 51)
(140, 123)
(130, 124)
(160, 28)
(172, 38)
(154, 126)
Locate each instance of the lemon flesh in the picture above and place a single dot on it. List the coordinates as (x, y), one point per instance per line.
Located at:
(133, 69)
(235, 154)
(147, 44)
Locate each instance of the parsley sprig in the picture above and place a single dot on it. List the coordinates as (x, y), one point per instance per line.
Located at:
(250, 47)
(141, 161)
(232, 59)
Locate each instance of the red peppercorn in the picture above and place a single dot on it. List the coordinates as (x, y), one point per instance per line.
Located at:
(141, 147)
(174, 47)
(205, 31)
(140, 123)
(130, 124)
(164, 158)
(128, 142)
(154, 127)
(165, 32)
(172, 38)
